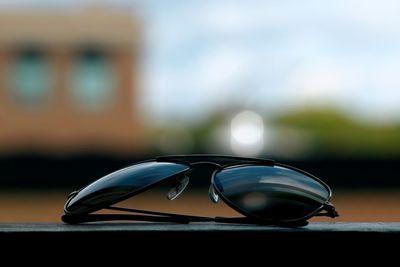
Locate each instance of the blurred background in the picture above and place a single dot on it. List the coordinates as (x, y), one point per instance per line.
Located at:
(88, 87)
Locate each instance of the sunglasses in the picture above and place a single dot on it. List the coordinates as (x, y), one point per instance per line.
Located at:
(264, 191)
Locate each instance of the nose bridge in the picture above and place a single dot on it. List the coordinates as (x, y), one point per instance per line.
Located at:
(205, 164)
(205, 168)
(201, 172)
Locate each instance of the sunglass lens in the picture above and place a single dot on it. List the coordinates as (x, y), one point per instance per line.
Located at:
(270, 193)
(122, 184)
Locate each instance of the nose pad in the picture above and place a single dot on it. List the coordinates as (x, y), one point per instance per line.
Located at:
(178, 187)
(213, 194)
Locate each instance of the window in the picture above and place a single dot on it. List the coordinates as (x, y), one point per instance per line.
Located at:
(92, 81)
(30, 79)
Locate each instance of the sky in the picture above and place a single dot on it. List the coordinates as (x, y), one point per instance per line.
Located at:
(267, 56)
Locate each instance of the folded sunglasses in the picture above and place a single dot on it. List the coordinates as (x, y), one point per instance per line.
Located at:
(263, 191)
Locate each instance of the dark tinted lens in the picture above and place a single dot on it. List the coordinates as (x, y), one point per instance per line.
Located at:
(121, 184)
(270, 193)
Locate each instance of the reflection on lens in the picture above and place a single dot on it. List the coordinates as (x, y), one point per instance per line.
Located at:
(270, 193)
(121, 184)
(254, 201)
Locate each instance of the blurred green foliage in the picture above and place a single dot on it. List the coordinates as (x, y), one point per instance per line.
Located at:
(329, 133)
(335, 133)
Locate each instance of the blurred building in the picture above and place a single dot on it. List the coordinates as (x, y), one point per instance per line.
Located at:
(68, 81)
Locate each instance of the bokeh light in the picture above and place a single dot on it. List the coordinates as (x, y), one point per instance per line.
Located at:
(247, 133)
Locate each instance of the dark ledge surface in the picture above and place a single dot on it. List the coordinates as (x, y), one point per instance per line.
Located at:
(198, 240)
(193, 228)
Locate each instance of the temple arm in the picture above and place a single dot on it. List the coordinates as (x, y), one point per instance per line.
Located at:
(151, 216)
(154, 216)
(75, 219)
